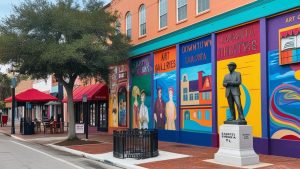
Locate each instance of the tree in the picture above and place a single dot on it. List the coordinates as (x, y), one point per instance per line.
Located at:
(5, 89)
(63, 39)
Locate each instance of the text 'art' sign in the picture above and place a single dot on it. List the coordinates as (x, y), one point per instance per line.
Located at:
(165, 60)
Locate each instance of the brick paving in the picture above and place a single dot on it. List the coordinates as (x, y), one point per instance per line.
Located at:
(197, 153)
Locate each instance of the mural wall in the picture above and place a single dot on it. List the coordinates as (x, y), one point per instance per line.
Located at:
(242, 46)
(165, 92)
(284, 77)
(118, 116)
(140, 94)
(195, 85)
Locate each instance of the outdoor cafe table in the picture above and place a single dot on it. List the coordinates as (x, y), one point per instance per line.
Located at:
(53, 126)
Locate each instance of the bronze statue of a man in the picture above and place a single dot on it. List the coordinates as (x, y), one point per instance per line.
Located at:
(232, 82)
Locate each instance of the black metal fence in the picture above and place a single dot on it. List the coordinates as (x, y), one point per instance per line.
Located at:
(135, 143)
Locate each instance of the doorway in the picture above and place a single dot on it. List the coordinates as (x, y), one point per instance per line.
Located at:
(103, 117)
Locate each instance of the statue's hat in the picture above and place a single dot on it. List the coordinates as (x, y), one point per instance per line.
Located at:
(231, 63)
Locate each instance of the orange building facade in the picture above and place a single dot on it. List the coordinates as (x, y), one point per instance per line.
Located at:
(152, 8)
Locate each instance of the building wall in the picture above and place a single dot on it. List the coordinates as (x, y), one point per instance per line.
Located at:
(152, 15)
(244, 36)
(24, 85)
(284, 82)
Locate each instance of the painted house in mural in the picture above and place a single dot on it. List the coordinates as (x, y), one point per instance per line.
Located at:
(205, 36)
(193, 93)
(196, 91)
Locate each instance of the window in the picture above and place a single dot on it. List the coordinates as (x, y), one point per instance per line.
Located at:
(191, 97)
(199, 115)
(163, 13)
(185, 94)
(207, 115)
(142, 16)
(196, 96)
(289, 48)
(181, 10)
(202, 5)
(187, 115)
(206, 96)
(128, 24)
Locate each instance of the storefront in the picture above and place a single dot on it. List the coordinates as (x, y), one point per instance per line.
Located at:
(176, 86)
(31, 105)
(97, 103)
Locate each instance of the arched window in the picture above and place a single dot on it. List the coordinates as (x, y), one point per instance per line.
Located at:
(142, 17)
(128, 24)
(181, 10)
(199, 115)
(207, 115)
(187, 115)
(163, 13)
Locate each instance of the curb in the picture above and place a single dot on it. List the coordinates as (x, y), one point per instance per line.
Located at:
(13, 136)
(9, 135)
(92, 157)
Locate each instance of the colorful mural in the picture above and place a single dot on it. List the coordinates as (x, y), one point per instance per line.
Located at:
(242, 46)
(165, 90)
(122, 100)
(118, 101)
(196, 85)
(289, 45)
(140, 100)
(284, 80)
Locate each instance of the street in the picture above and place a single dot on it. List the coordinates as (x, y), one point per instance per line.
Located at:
(15, 154)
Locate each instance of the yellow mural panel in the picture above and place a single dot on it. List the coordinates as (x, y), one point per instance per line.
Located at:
(249, 67)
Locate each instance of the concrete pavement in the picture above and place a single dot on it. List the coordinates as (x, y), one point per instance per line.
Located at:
(16, 154)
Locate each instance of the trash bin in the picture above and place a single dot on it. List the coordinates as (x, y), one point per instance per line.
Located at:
(26, 128)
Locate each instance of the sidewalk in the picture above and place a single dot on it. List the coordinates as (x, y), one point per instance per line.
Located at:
(38, 137)
(195, 160)
(181, 156)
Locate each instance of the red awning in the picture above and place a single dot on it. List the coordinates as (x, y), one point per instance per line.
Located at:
(93, 92)
(32, 95)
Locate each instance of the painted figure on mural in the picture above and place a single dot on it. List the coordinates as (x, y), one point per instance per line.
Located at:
(159, 110)
(144, 117)
(136, 117)
(114, 111)
(170, 111)
(232, 82)
(122, 111)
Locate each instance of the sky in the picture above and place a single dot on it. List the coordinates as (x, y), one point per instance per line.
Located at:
(6, 10)
(6, 6)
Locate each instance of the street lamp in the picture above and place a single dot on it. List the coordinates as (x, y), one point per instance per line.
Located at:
(62, 40)
(13, 104)
(86, 116)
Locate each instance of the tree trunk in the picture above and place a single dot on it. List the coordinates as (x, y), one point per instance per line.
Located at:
(71, 113)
